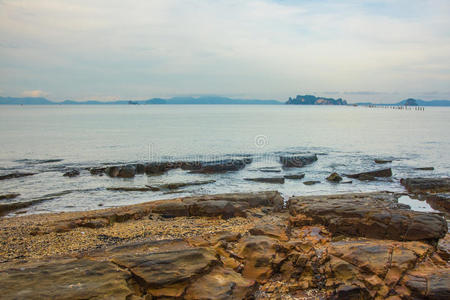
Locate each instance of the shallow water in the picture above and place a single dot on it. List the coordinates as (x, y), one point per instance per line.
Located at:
(347, 140)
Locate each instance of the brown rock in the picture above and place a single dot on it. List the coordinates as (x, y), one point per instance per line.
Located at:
(261, 256)
(221, 283)
(334, 177)
(368, 215)
(167, 274)
(65, 279)
(271, 230)
(425, 185)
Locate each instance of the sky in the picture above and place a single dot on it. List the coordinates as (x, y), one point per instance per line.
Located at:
(380, 51)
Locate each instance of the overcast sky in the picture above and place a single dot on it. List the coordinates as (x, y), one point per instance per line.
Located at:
(359, 50)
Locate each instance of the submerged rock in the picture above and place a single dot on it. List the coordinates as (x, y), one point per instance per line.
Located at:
(129, 189)
(97, 171)
(121, 171)
(425, 169)
(297, 161)
(334, 177)
(425, 185)
(267, 179)
(269, 170)
(72, 173)
(177, 185)
(222, 166)
(15, 175)
(381, 161)
(311, 182)
(9, 196)
(295, 176)
(371, 175)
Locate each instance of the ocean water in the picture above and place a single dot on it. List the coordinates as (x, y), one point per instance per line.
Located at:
(347, 140)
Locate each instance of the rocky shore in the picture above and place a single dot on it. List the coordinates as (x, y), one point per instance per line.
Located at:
(230, 246)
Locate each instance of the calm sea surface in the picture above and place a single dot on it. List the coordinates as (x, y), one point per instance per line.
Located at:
(346, 139)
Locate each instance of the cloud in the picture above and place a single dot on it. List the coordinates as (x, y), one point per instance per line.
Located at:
(256, 48)
(34, 93)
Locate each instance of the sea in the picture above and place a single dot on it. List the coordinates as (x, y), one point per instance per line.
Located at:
(51, 139)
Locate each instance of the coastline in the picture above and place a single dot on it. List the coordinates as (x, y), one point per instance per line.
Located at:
(230, 246)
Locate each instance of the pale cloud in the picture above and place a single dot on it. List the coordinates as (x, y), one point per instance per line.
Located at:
(257, 48)
(34, 93)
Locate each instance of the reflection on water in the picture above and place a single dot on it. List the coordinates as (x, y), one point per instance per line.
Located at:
(416, 205)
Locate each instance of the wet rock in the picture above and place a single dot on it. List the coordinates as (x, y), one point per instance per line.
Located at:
(97, 171)
(9, 196)
(15, 175)
(129, 189)
(425, 169)
(72, 173)
(140, 169)
(311, 182)
(269, 170)
(381, 161)
(65, 279)
(334, 177)
(112, 171)
(157, 168)
(121, 171)
(177, 185)
(168, 274)
(439, 201)
(127, 172)
(222, 166)
(371, 175)
(367, 215)
(425, 185)
(267, 179)
(295, 176)
(297, 161)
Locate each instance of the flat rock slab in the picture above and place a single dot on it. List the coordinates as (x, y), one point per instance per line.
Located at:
(65, 279)
(366, 215)
(226, 205)
(267, 179)
(371, 175)
(425, 185)
(162, 268)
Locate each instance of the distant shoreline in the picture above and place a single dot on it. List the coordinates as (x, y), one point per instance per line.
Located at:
(206, 100)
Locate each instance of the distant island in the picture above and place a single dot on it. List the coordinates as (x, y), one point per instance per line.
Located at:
(313, 100)
(174, 100)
